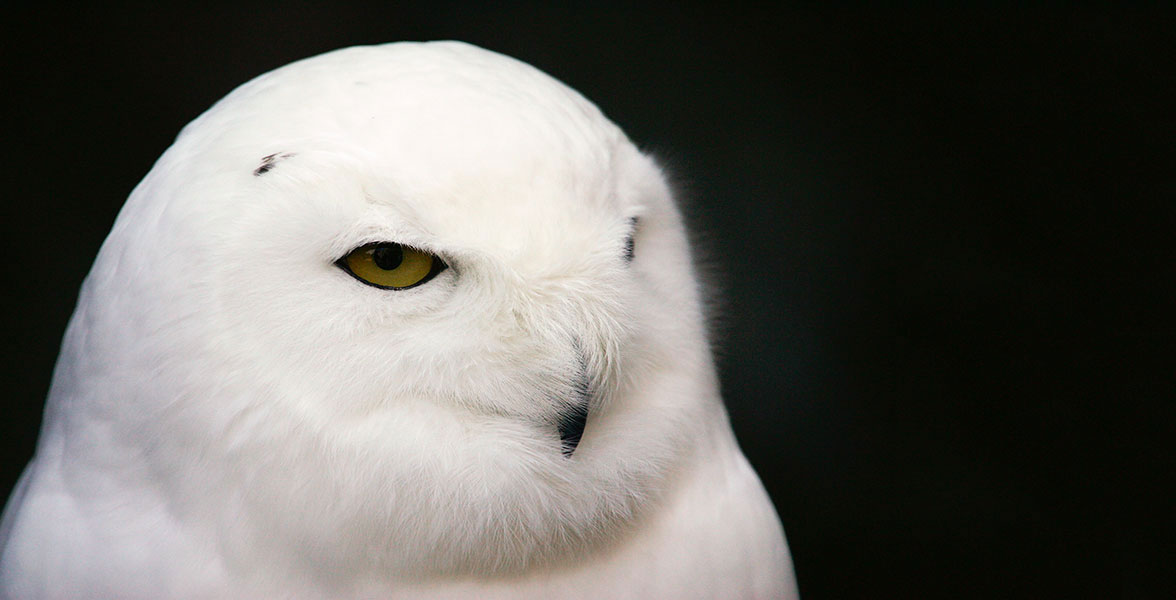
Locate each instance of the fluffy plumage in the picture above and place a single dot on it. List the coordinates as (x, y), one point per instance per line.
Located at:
(233, 415)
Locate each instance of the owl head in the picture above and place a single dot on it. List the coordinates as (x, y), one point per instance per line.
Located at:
(412, 307)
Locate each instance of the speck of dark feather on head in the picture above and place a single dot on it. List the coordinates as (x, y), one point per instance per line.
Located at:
(269, 162)
(628, 249)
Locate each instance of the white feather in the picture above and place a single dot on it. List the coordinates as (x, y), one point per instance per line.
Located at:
(234, 416)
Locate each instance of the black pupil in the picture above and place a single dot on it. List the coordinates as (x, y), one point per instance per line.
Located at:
(388, 257)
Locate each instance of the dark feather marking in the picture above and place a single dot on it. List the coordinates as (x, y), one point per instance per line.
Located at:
(628, 252)
(269, 162)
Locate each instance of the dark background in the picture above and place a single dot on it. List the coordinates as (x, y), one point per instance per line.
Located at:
(944, 240)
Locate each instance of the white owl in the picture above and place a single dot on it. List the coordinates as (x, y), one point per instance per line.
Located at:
(405, 321)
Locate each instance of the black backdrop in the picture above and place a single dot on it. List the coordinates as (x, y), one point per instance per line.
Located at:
(943, 240)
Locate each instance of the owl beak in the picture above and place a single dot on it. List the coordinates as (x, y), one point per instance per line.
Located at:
(573, 421)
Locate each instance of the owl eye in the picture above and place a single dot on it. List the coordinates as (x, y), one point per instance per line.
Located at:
(391, 266)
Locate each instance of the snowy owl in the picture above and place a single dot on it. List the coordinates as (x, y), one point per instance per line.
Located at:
(403, 321)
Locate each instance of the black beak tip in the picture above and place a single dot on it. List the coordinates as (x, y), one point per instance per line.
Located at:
(572, 423)
(571, 428)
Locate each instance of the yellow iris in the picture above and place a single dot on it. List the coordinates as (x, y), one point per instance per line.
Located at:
(390, 265)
